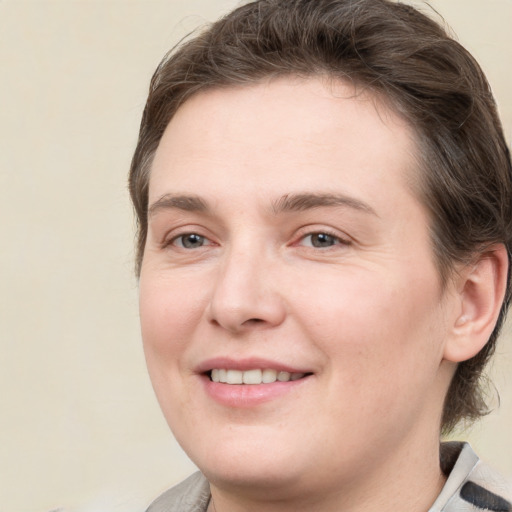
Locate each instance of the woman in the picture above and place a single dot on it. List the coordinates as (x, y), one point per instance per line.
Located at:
(324, 201)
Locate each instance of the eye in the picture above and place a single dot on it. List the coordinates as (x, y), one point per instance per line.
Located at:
(190, 241)
(322, 240)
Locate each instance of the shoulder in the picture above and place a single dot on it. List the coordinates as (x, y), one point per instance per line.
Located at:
(471, 486)
(191, 495)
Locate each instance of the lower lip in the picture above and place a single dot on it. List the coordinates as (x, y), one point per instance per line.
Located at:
(249, 395)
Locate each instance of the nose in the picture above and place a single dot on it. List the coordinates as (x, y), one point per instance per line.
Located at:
(246, 294)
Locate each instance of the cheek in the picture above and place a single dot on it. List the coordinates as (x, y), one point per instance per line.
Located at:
(376, 334)
(168, 313)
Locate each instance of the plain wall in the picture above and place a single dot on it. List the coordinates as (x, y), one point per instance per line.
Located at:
(79, 425)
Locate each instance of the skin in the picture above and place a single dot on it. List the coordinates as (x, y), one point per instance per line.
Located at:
(364, 312)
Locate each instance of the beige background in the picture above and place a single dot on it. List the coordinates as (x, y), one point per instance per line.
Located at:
(79, 426)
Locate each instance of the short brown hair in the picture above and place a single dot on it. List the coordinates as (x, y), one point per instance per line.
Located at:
(398, 53)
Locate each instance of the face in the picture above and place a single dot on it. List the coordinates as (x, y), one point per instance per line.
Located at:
(292, 315)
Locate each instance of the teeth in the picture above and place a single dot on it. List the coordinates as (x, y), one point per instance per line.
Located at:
(283, 376)
(269, 376)
(252, 377)
(234, 377)
(256, 376)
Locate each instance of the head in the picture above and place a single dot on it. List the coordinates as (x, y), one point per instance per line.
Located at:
(408, 62)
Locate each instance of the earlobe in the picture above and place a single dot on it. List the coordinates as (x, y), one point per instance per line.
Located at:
(481, 288)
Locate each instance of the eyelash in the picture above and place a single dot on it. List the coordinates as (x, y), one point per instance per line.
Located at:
(329, 236)
(334, 238)
(183, 236)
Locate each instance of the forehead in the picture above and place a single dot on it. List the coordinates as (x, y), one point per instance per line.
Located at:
(285, 128)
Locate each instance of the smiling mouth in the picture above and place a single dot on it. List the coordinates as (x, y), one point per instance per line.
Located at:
(256, 376)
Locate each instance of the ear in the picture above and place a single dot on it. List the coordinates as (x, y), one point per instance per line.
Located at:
(480, 291)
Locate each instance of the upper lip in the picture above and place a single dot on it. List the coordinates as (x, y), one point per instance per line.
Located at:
(250, 363)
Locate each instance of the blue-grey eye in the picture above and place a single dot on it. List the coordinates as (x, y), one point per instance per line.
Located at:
(190, 241)
(322, 240)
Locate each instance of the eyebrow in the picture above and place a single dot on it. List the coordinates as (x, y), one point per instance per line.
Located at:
(179, 202)
(286, 203)
(308, 201)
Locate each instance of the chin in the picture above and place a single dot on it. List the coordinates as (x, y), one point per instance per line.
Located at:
(253, 461)
(258, 479)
